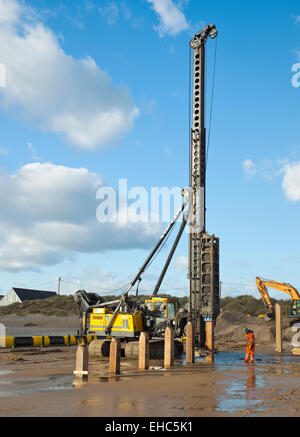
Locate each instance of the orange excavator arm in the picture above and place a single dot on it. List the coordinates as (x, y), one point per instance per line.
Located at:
(264, 295)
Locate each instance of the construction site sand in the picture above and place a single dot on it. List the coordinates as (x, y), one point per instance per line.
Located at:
(35, 382)
(42, 384)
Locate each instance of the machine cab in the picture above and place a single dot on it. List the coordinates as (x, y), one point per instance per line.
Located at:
(162, 307)
(293, 308)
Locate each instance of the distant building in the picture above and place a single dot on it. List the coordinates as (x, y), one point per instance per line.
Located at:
(18, 295)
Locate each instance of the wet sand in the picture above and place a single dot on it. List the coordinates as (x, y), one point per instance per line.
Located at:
(40, 382)
(35, 382)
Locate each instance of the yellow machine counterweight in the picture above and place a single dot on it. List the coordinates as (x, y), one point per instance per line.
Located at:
(126, 324)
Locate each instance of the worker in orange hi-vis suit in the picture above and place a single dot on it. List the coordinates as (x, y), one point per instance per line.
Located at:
(250, 339)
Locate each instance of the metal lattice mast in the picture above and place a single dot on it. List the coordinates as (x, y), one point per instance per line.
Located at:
(203, 249)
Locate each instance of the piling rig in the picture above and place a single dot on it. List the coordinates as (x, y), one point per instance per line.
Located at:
(203, 248)
(125, 318)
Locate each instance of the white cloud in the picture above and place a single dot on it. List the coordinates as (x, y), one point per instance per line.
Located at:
(94, 279)
(110, 12)
(249, 167)
(270, 169)
(296, 18)
(172, 19)
(99, 280)
(267, 169)
(55, 92)
(10, 11)
(181, 263)
(235, 290)
(50, 215)
(291, 181)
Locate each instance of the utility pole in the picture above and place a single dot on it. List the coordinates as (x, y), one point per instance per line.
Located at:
(203, 248)
(58, 286)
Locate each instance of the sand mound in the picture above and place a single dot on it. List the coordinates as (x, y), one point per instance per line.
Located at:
(229, 328)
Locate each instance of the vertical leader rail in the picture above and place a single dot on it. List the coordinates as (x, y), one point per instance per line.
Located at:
(203, 248)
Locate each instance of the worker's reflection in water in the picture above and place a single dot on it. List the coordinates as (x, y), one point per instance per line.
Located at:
(251, 380)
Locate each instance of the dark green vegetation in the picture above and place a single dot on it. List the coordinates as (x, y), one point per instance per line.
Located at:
(60, 306)
(63, 306)
(247, 305)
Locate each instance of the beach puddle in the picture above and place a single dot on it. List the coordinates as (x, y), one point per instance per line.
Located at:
(241, 394)
(35, 384)
(5, 372)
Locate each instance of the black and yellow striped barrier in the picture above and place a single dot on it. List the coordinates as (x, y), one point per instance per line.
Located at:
(44, 340)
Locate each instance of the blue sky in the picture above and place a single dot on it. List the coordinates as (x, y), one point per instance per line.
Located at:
(98, 90)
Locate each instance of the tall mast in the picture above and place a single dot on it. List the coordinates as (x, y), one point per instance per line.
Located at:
(203, 249)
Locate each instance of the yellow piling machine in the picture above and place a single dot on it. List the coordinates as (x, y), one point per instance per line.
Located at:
(125, 318)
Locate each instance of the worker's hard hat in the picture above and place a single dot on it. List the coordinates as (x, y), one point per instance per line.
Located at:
(245, 330)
